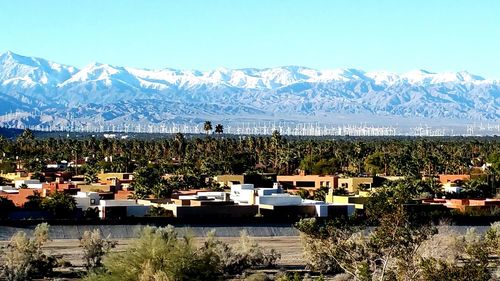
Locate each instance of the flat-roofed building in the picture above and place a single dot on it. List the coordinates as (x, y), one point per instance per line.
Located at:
(258, 180)
(35, 184)
(18, 196)
(105, 177)
(85, 200)
(352, 184)
(356, 200)
(18, 175)
(208, 205)
(488, 205)
(119, 209)
(308, 181)
(242, 194)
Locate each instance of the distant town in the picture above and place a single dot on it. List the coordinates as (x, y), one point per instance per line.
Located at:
(271, 177)
(250, 180)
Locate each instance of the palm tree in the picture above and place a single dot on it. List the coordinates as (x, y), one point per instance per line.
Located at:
(180, 142)
(207, 127)
(219, 129)
(26, 135)
(90, 175)
(276, 144)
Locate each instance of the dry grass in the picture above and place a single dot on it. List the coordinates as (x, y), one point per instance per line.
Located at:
(290, 248)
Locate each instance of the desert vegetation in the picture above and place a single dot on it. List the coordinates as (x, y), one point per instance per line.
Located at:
(398, 245)
(156, 254)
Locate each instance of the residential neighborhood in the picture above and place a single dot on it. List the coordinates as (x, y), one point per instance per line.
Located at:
(112, 196)
(308, 201)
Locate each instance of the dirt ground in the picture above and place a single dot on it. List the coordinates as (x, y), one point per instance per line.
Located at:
(290, 248)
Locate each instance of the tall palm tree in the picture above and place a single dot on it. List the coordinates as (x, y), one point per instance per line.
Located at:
(180, 142)
(219, 129)
(207, 127)
(276, 145)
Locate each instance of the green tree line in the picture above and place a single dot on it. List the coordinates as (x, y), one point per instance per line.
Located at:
(283, 155)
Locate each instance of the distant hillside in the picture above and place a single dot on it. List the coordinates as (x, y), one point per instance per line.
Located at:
(34, 91)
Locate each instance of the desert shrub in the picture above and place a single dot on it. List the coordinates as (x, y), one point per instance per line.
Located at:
(234, 260)
(95, 247)
(286, 276)
(259, 276)
(476, 257)
(159, 254)
(338, 277)
(433, 269)
(63, 263)
(254, 255)
(492, 238)
(318, 254)
(24, 258)
(389, 251)
(442, 246)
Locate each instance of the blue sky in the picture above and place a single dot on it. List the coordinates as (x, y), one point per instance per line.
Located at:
(399, 36)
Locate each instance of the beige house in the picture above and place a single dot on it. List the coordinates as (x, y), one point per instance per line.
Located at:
(352, 184)
(308, 181)
(103, 177)
(229, 180)
(19, 175)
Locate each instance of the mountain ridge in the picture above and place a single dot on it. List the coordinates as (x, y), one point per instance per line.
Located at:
(267, 93)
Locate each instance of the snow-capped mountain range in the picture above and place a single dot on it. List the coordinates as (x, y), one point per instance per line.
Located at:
(115, 94)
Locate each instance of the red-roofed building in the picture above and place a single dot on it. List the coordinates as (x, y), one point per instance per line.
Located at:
(19, 198)
(453, 178)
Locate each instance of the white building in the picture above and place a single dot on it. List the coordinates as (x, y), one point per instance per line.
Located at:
(85, 200)
(322, 207)
(206, 195)
(8, 189)
(279, 199)
(273, 199)
(268, 191)
(35, 184)
(451, 187)
(61, 165)
(121, 208)
(242, 194)
(220, 196)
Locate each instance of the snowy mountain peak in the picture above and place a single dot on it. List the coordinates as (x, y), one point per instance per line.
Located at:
(13, 58)
(466, 76)
(280, 92)
(426, 77)
(9, 55)
(101, 72)
(39, 71)
(5, 55)
(383, 77)
(25, 71)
